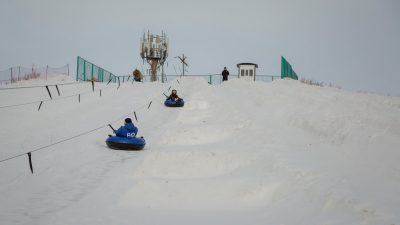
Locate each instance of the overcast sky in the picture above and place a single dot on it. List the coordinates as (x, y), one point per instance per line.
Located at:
(354, 44)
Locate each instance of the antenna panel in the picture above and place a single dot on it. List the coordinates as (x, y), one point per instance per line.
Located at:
(141, 45)
(167, 45)
(148, 47)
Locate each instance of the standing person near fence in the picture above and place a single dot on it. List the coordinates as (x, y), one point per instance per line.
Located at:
(137, 75)
(225, 74)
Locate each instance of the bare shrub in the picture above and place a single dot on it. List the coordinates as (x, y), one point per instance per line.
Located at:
(31, 75)
(93, 79)
(311, 82)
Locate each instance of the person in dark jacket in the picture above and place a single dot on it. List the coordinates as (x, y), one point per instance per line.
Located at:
(137, 75)
(128, 130)
(225, 74)
(174, 97)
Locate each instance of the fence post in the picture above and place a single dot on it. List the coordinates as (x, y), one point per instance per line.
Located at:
(210, 80)
(46, 70)
(68, 69)
(92, 71)
(11, 76)
(77, 68)
(84, 70)
(19, 71)
(32, 71)
(272, 78)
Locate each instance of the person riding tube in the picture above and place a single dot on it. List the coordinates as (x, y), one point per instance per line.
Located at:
(128, 130)
(174, 97)
(173, 100)
(125, 138)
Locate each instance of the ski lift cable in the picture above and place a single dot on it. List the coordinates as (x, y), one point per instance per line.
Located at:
(69, 96)
(82, 133)
(4, 89)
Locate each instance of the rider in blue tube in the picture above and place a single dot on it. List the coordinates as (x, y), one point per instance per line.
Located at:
(128, 130)
(174, 97)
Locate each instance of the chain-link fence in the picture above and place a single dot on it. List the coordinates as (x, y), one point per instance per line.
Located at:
(15, 74)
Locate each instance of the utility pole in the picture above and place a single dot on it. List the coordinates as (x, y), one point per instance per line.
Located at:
(183, 63)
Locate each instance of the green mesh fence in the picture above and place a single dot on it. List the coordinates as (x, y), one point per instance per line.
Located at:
(88, 71)
(287, 71)
(214, 79)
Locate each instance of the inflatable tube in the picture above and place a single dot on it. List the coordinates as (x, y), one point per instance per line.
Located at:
(125, 143)
(170, 103)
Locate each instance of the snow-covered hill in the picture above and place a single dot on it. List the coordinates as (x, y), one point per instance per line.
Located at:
(237, 153)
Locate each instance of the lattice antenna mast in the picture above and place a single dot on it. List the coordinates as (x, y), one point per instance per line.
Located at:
(154, 50)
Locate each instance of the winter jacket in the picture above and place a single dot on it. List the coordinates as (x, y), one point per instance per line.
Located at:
(172, 97)
(137, 75)
(225, 75)
(129, 130)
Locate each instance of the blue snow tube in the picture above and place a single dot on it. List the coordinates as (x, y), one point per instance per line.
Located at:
(125, 143)
(170, 103)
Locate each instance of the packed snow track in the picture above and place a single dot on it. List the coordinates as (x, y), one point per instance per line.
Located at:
(237, 153)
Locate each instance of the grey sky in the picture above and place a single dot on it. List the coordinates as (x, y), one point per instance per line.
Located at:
(354, 44)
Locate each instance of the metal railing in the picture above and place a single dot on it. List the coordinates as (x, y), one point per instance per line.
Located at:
(87, 71)
(213, 79)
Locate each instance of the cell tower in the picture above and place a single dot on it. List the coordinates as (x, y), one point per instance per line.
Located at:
(154, 49)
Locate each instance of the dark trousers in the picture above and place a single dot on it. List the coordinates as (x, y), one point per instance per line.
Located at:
(224, 78)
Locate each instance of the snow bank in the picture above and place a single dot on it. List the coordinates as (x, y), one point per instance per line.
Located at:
(237, 153)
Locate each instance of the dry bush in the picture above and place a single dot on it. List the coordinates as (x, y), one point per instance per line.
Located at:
(31, 75)
(93, 79)
(311, 82)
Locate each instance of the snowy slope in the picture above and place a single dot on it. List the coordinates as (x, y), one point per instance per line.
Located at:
(237, 153)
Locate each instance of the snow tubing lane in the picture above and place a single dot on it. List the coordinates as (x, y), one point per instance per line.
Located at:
(170, 103)
(125, 143)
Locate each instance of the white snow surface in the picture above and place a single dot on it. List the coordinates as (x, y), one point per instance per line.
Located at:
(238, 153)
